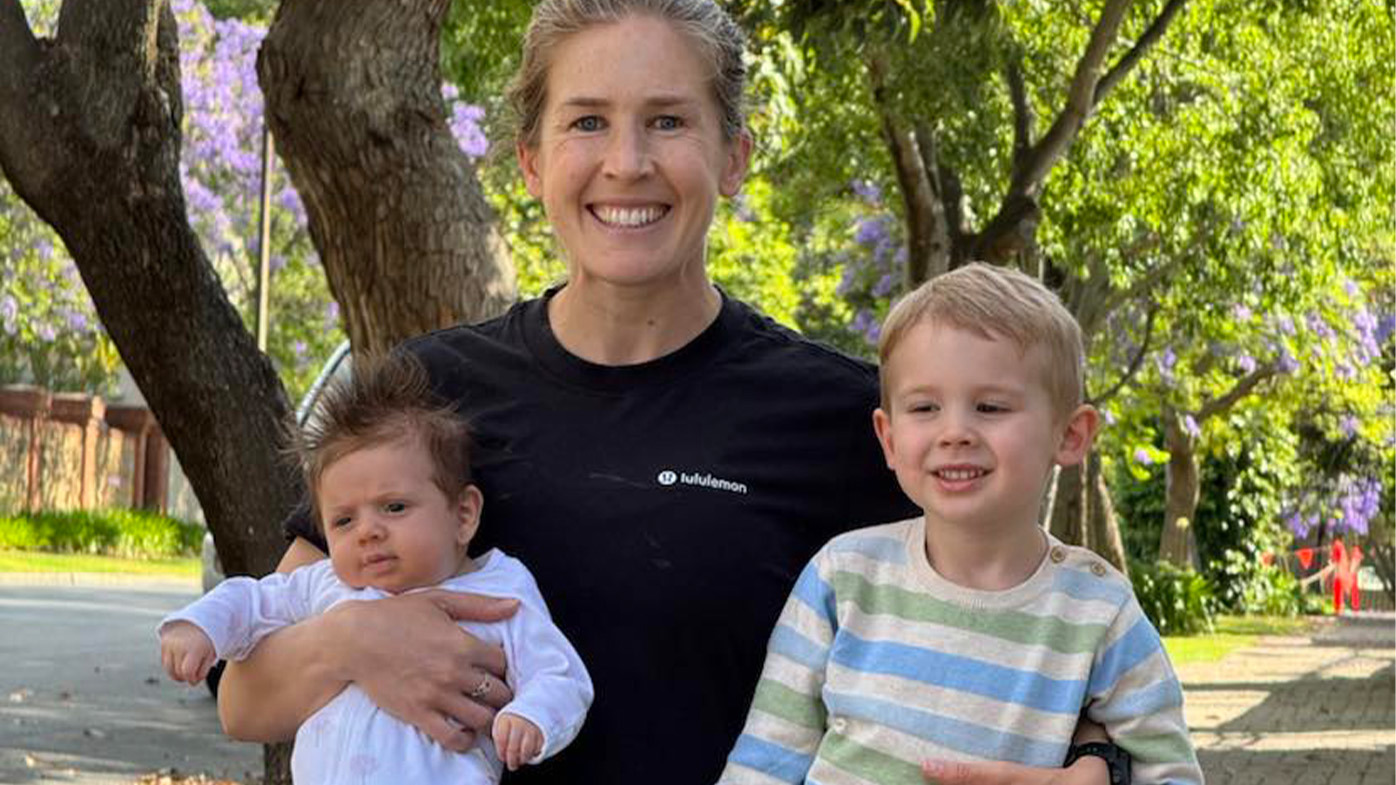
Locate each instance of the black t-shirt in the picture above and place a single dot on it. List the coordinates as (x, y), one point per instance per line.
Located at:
(665, 509)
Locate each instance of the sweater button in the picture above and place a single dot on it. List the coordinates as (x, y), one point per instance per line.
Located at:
(1058, 555)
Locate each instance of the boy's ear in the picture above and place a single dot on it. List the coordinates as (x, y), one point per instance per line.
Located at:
(1077, 435)
(468, 510)
(882, 425)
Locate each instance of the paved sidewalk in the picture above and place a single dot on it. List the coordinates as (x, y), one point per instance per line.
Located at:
(1314, 710)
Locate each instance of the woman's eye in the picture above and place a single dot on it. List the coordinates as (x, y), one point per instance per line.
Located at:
(589, 123)
(668, 122)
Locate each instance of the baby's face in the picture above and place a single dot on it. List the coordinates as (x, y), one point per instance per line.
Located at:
(387, 523)
(970, 428)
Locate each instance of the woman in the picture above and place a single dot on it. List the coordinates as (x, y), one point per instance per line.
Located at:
(663, 458)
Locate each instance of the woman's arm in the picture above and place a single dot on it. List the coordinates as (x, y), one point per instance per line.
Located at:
(405, 652)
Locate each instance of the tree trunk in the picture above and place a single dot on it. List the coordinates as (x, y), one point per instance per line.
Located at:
(1102, 527)
(1069, 509)
(406, 237)
(1178, 543)
(90, 139)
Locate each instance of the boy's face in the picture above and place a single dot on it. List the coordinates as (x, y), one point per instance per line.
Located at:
(970, 428)
(387, 523)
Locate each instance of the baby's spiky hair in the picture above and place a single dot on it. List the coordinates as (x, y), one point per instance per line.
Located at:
(386, 399)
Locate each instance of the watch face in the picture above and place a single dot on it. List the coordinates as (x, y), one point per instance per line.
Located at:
(1116, 759)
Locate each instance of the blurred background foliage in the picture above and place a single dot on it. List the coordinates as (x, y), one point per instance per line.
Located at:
(1234, 194)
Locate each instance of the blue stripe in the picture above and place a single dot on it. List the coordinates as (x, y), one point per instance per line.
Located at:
(1081, 585)
(1144, 702)
(786, 642)
(772, 759)
(813, 591)
(1134, 647)
(963, 674)
(967, 737)
(884, 549)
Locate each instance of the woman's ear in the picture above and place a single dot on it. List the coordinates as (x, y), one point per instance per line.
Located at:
(528, 165)
(1077, 435)
(734, 168)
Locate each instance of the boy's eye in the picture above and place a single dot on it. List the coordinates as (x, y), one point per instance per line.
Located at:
(991, 408)
(920, 407)
(588, 123)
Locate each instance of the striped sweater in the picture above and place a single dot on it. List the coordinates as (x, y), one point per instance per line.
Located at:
(877, 663)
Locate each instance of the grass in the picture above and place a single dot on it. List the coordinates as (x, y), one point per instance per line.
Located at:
(1232, 633)
(34, 561)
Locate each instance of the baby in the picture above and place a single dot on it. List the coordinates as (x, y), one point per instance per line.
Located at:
(388, 472)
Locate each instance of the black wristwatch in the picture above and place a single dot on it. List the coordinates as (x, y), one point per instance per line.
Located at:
(1116, 759)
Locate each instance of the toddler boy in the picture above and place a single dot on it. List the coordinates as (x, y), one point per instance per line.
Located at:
(968, 633)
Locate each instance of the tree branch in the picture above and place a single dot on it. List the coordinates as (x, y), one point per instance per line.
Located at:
(1135, 362)
(1141, 47)
(1241, 389)
(1022, 111)
(1028, 176)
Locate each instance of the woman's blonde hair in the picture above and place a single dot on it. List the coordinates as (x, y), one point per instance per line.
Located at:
(719, 40)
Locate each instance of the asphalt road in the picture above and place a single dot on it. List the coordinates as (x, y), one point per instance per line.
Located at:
(83, 698)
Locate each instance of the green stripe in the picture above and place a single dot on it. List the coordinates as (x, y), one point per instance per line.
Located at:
(1049, 631)
(1161, 748)
(867, 763)
(776, 699)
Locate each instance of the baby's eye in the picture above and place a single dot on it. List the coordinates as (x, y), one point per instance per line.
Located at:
(589, 123)
(668, 122)
(395, 507)
(341, 521)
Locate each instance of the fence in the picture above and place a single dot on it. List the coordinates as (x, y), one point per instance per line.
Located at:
(72, 451)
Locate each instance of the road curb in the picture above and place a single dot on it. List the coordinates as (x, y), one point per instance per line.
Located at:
(98, 579)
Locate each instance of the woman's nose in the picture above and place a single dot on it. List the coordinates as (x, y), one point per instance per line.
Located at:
(627, 153)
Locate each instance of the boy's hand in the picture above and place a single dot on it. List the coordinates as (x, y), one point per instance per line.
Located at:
(186, 652)
(517, 740)
(1085, 771)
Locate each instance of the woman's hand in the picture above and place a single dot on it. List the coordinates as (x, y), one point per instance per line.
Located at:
(1088, 770)
(408, 655)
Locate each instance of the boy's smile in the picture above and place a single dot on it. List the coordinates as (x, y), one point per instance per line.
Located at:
(970, 427)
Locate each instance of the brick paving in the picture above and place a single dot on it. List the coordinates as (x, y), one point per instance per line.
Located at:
(1308, 710)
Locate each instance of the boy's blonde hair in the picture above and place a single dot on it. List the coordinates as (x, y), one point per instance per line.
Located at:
(388, 399)
(995, 302)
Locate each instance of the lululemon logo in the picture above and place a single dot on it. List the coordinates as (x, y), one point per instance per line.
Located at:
(667, 477)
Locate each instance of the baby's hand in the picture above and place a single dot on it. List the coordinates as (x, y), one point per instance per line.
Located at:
(517, 740)
(186, 652)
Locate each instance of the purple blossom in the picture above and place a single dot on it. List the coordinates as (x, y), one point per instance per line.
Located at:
(9, 313)
(1166, 361)
(1385, 326)
(77, 321)
(867, 190)
(1241, 312)
(46, 333)
(1190, 425)
(871, 232)
(1287, 363)
(884, 285)
(866, 323)
(1246, 363)
(1350, 286)
(1108, 415)
(1142, 457)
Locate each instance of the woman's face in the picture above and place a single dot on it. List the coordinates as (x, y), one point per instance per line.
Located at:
(630, 155)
